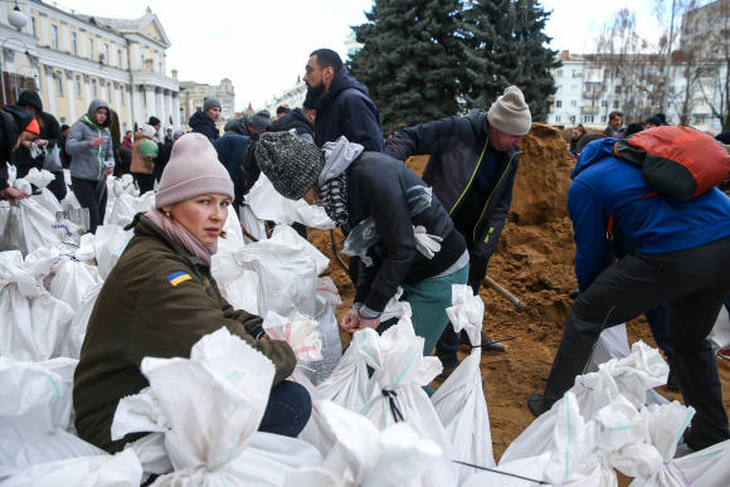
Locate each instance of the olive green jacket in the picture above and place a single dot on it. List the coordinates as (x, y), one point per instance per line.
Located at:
(157, 301)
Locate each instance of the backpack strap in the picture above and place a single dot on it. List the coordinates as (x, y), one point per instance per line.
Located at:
(609, 226)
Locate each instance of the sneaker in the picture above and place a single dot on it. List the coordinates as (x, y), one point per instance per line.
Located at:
(445, 373)
(536, 404)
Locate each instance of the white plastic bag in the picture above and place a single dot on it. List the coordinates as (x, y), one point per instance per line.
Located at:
(29, 227)
(35, 325)
(267, 204)
(109, 244)
(460, 401)
(395, 392)
(103, 470)
(126, 206)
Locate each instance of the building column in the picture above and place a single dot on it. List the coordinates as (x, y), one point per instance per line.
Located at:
(71, 94)
(176, 109)
(149, 96)
(160, 107)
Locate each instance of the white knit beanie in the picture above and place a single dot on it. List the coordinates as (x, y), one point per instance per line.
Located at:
(193, 170)
(510, 114)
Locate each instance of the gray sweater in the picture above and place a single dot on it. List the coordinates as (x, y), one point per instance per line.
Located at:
(89, 162)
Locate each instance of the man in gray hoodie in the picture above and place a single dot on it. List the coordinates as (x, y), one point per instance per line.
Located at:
(92, 159)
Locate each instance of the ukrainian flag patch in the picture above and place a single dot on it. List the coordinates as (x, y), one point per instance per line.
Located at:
(178, 277)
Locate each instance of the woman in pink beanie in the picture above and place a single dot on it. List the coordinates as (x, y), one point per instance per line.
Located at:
(160, 298)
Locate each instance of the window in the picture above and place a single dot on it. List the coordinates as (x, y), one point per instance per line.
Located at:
(109, 93)
(615, 104)
(91, 48)
(59, 83)
(559, 73)
(558, 103)
(54, 36)
(33, 27)
(573, 103)
(617, 89)
(588, 119)
(94, 89)
(577, 73)
(119, 58)
(78, 86)
(62, 120)
(557, 118)
(603, 119)
(572, 119)
(604, 103)
(107, 59)
(74, 44)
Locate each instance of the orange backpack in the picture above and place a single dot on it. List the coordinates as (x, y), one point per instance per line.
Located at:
(676, 161)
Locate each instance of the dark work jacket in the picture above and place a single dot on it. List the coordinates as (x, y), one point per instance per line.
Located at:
(377, 188)
(347, 110)
(203, 125)
(231, 149)
(158, 301)
(295, 120)
(457, 146)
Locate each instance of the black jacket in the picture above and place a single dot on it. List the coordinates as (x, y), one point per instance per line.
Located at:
(347, 110)
(203, 125)
(377, 188)
(295, 120)
(457, 146)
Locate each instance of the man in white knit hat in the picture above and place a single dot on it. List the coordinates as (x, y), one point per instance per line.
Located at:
(472, 169)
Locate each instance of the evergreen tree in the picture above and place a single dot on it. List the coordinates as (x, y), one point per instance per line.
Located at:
(410, 60)
(505, 44)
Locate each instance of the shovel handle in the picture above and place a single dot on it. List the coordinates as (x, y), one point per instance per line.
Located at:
(508, 295)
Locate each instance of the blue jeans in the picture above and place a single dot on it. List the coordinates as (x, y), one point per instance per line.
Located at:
(288, 409)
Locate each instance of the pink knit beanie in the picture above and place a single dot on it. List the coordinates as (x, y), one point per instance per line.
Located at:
(193, 170)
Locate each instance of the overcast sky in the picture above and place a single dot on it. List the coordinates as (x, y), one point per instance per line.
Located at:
(262, 46)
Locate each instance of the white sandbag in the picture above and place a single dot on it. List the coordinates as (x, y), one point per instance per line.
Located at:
(300, 333)
(77, 330)
(267, 204)
(287, 267)
(347, 385)
(212, 405)
(40, 178)
(329, 331)
(73, 280)
(35, 325)
(327, 289)
(126, 206)
(460, 401)
(705, 467)
(109, 244)
(48, 201)
(29, 226)
(613, 343)
(253, 225)
(395, 308)
(36, 409)
(121, 185)
(364, 456)
(651, 462)
(720, 335)
(631, 377)
(103, 470)
(395, 392)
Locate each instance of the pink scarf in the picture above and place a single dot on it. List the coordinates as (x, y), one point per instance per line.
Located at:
(182, 235)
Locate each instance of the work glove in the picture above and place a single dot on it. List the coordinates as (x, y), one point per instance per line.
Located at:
(426, 243)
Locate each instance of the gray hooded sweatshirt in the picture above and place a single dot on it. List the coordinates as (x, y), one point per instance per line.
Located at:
(89, 162)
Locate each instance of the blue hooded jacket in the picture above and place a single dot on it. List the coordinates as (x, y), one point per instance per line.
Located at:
(347, 110)
(604, 185)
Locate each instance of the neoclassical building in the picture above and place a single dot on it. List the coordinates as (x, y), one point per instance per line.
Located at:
(192, 96)
(73, 58)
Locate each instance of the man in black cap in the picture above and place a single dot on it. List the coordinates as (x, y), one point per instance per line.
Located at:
(204, 121)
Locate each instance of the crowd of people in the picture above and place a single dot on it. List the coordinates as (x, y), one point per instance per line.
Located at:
(667, 258)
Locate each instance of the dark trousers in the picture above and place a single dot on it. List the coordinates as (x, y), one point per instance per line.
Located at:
(694, 283)
(657, 319)
(58, 186)
(145, 182)
(91, 195)
(448, 344)
(288, 409)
